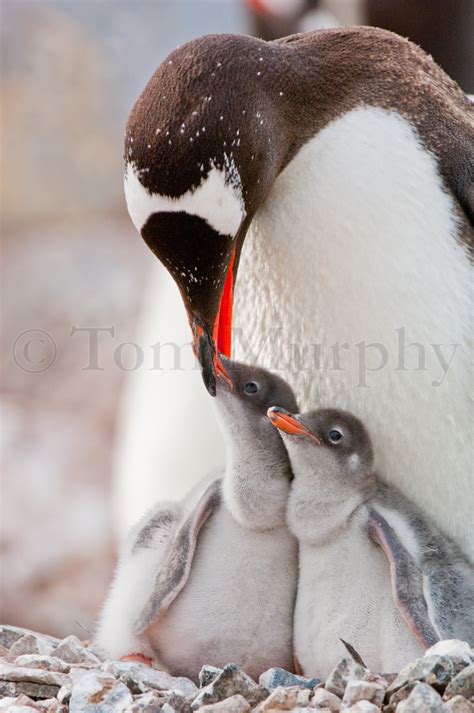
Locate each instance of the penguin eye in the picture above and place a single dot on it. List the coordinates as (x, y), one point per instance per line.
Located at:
(251, 387)
(335, 436)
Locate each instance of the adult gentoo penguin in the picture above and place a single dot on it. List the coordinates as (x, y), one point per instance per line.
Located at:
(332, 172)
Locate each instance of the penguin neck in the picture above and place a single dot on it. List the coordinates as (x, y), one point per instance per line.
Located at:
(323, 501)
(257, 477)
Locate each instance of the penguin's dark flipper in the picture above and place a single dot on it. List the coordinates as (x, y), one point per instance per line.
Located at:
(407, 580)
(175, 570)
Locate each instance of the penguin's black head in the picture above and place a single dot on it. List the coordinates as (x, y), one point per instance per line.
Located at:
(326, 435)
(200, 156)
(252, 391)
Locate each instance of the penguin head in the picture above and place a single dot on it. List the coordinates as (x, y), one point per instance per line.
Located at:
(244, 397)
(201, 156)
(328, 442)
(331, 459)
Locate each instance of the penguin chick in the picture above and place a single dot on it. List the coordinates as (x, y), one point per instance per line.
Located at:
(373, 569)
(220, 583)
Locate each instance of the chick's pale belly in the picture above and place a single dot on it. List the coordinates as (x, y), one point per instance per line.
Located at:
(344, 592)
(237, 604)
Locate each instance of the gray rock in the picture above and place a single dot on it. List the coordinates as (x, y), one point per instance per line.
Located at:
(49, 663)
(33, 690)
(140, 678)
(435, 670)
(454, 649)
(398, 696)
(97, 692)
(389, 678)
(234, 704)
(11, 672)
(346, 670)
(207, 674)
(30, 644)
(363, 691)
(459, 704)
(230, 681)
(176, 704)
(285, 699)
(10, 634)
(275, 677)
(462, 684)
(362, 707)
(423, 699)
(72, 650)
(50, 705)
(383, 680)
(8, 690)
(150, 702)
(64, 693)
(325, 699)
(25, 701)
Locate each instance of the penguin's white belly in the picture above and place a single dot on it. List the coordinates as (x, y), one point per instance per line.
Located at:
(237, 604)
(353, 258)
(344, 592)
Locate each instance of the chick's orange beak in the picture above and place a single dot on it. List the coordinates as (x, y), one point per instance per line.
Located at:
(288, 423)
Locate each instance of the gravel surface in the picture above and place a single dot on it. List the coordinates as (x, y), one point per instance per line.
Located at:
(41, 673)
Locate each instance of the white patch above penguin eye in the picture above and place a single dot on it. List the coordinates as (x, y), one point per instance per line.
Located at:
(218, 199)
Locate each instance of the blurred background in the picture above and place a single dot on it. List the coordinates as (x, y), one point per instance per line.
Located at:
(74, 270)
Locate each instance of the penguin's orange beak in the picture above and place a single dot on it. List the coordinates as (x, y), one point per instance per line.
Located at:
(288, 423)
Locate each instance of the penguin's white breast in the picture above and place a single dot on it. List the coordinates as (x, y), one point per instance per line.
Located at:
(357, 241)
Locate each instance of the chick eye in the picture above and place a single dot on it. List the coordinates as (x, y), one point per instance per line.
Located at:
(335, 436)
(251, 387)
